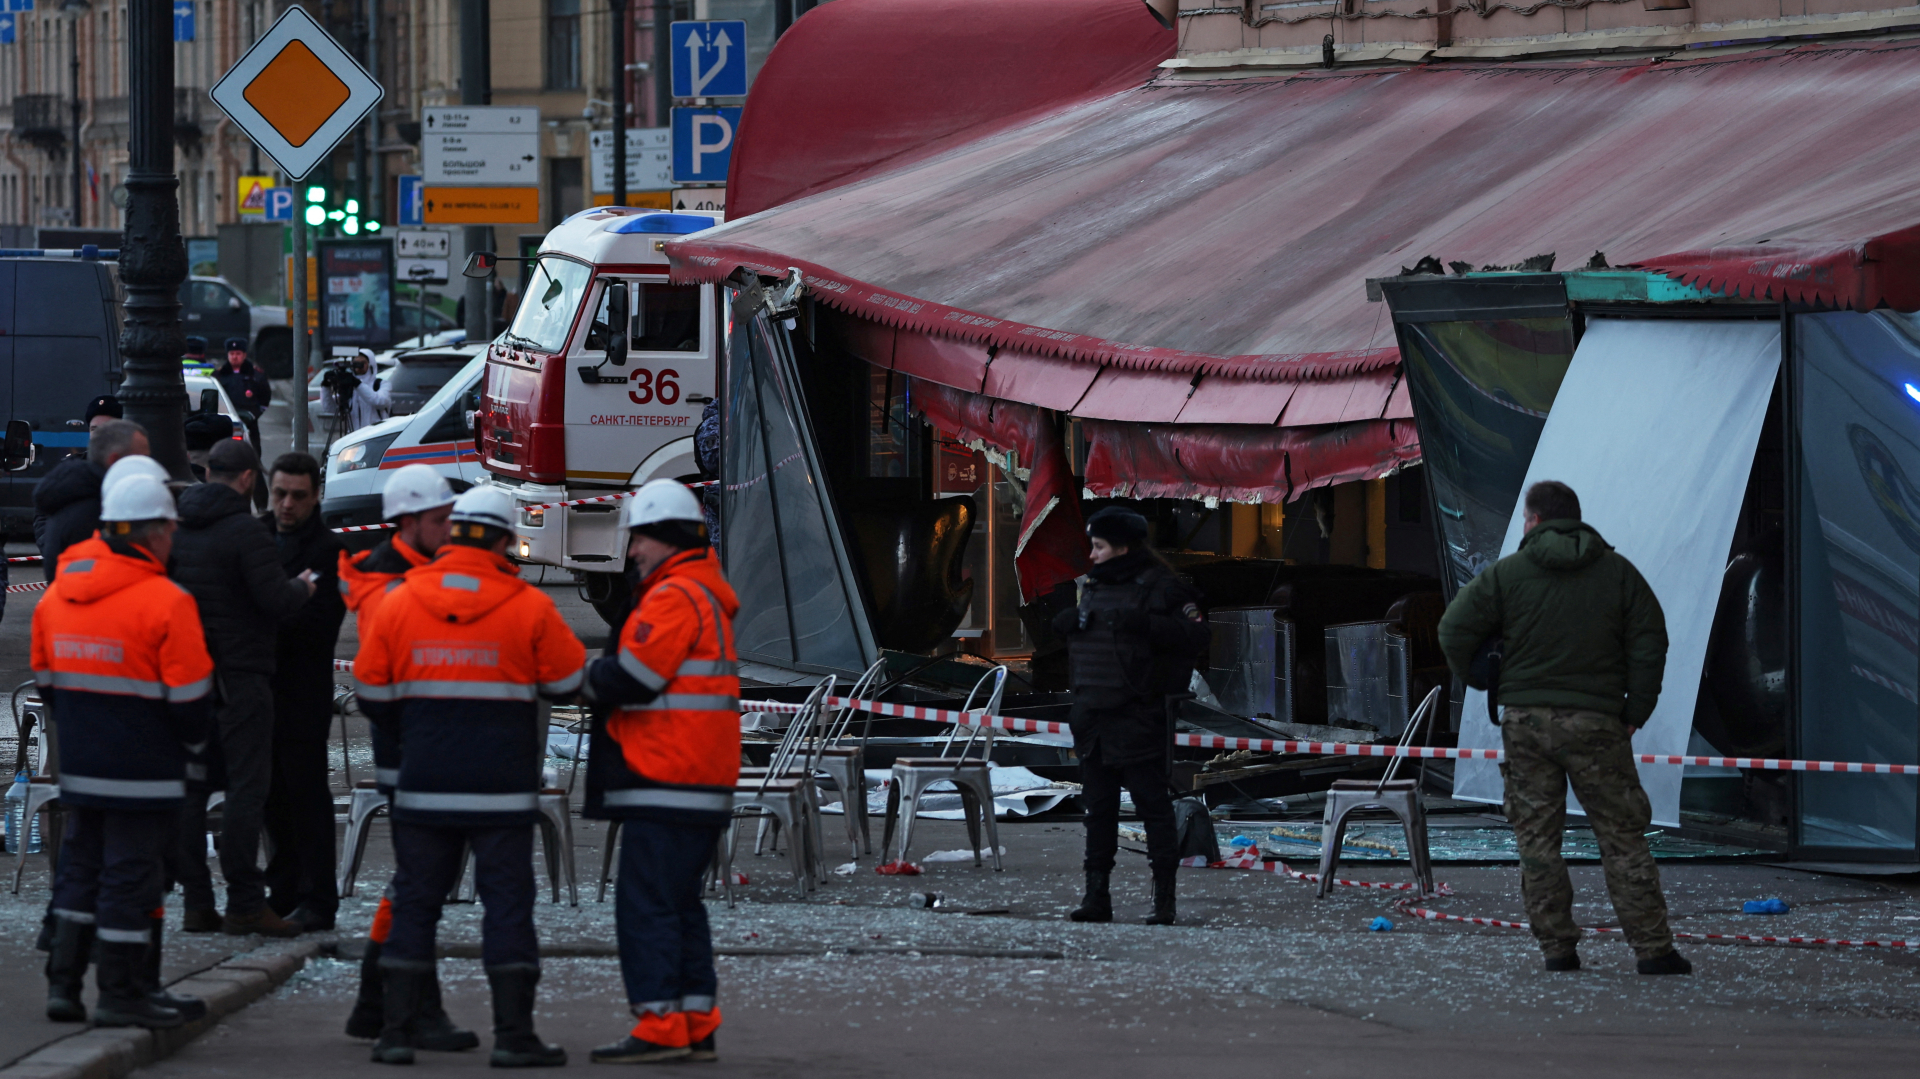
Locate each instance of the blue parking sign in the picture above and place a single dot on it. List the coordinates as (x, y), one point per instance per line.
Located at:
(709, 59)
(279, 203)
(703, 143)
(412, 201)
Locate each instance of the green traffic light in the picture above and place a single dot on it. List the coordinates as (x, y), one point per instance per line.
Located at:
(336, 215)
(372, 226)
(316, 216)
(353, 206)
(351, 226)
(316, 193)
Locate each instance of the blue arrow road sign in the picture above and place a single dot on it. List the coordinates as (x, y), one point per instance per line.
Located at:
(709, 59)
(703, 144)
(183, 20)
(279, 203)
(412, 201)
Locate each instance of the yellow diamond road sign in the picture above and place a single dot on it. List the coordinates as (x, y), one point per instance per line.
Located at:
(297, 93)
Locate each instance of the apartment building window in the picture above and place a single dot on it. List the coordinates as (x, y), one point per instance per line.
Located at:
(563, 44)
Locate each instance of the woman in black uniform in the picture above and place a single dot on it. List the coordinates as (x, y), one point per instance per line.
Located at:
(1131, 641)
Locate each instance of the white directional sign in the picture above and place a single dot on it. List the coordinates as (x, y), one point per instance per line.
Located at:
(649, 159)
(420, 244)
(479, 146)
(296, 93)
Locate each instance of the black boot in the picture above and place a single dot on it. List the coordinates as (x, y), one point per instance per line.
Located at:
(1098, 905)
(433, 1030)
(190, 1008)
(1669, 962)
(515, 1045)
(1162, 896)
(402, 988)
(70, 949)
(123, 996)
(369, 1009)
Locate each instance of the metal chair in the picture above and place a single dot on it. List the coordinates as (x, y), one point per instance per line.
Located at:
(43, 795)
(784, 792)
(367, 802)
(972, 776)
(847, 764)
(556, 840)
(33, 721)
(1401, 797)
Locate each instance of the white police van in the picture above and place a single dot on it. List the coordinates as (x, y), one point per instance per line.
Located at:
(440, 434)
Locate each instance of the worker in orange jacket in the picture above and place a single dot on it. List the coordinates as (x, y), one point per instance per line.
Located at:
(119, 656)
(418, 502)
(453, 662)
(664, 762)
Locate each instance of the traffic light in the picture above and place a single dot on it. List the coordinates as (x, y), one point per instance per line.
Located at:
(316, 215)
(316, 193)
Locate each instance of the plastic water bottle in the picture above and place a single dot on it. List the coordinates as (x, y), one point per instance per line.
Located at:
(16, 812)
(927, 900)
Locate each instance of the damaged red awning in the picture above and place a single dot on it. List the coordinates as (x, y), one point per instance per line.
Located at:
(1225, 229)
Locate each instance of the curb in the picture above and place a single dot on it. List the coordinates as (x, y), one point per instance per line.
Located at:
(111, 1053)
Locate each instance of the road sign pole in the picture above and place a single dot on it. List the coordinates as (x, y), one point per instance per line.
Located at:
(662, 61)
(153, 261)
(302, 361)
(619, 101)
(476, 88)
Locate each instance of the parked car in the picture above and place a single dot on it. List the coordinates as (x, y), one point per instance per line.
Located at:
(198, 383)
(439, 433)
(211, 307)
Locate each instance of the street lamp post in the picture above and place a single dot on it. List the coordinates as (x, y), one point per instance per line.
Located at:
(73, 11)
(153, 260)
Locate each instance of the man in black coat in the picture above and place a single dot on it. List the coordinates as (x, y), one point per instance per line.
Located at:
(246, 384)
(228, 560)
(66, 501)
(299, 814)
(1131, 642)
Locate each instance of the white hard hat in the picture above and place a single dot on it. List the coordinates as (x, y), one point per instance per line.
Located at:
(414, 489)
(661, 500)
(485, 505)
(134, 464)
(138, 498)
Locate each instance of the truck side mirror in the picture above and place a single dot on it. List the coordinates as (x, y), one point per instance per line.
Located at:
(209, 400)
(617, 324)
(480, 265)
(18, 451)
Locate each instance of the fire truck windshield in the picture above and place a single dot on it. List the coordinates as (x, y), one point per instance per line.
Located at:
(548, 305)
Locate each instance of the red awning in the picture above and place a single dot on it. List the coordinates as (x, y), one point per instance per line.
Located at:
(857, 86)
(1225, 228)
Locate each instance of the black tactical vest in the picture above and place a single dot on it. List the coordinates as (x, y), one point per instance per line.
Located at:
(1109, 667)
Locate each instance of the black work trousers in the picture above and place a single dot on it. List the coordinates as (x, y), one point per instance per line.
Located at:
(111, 870)
(299, 824)
(429, 863)
(1147, 781)
(244, 730)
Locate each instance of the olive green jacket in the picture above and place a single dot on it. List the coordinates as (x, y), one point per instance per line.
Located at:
(1582, 628)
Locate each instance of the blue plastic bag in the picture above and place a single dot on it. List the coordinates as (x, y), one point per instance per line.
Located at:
(1380, 925)
(1765, 906)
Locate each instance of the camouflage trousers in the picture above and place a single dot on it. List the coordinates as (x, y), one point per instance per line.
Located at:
(1548, 749)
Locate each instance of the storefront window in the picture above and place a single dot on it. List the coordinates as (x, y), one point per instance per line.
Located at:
(1857, 383)
(892, 449)
(1482, 391)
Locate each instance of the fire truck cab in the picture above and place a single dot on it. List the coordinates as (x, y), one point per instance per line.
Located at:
(598, 385)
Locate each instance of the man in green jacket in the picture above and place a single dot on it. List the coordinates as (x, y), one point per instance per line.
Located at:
(1584, 646)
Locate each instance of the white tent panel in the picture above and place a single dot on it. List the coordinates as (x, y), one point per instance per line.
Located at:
(1655, 428)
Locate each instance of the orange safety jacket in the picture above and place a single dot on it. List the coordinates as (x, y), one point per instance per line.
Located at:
(120, 658)
(669, 748)
(453, 661)
(365, 579)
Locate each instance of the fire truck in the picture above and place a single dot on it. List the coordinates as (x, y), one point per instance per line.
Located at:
(597, 386)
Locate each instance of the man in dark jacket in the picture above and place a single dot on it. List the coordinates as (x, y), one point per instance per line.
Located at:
(299, 813)
(1584, 645)
(246, 384)
(1131, 642)
(66, 501)
(228, 560)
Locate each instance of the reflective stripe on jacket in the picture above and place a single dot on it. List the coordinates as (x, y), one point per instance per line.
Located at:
(673, 688)
(120, 657)
(453, 660)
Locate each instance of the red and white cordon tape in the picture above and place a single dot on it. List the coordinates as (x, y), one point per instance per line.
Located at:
(25, 558)
(1329, 749)
(30, 586)
(615, 497)
(1405, 906)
